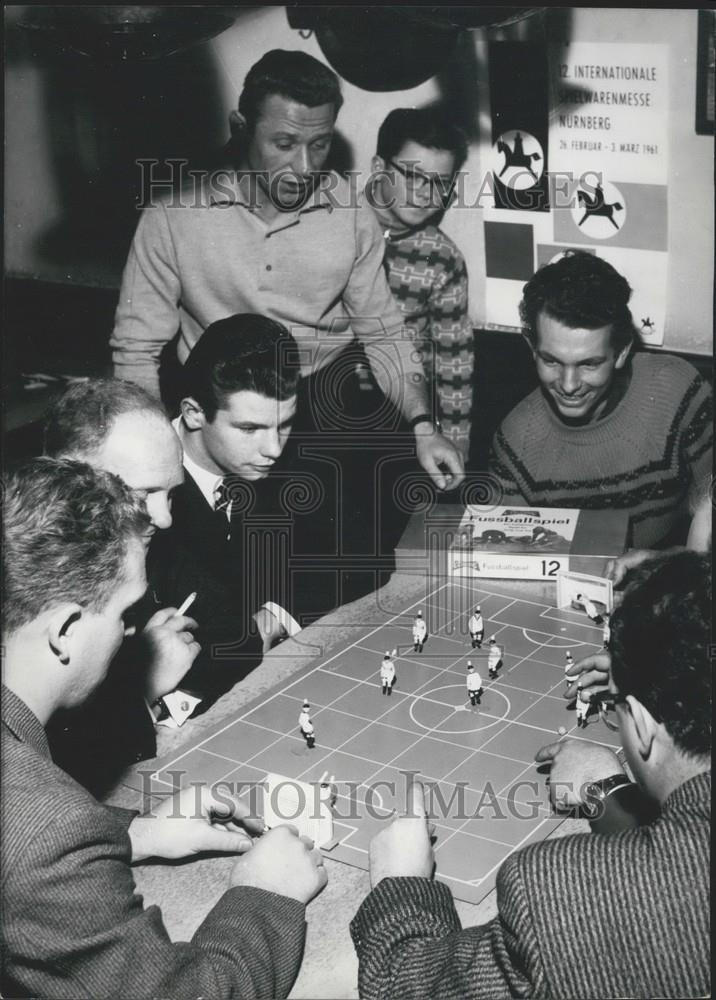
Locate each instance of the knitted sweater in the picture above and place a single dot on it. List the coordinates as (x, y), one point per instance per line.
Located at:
(650, 455)
(588, 915)
(428, 278)
(318, 271)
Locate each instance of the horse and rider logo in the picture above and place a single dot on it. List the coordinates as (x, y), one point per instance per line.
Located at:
(599, 210)
(517, 160)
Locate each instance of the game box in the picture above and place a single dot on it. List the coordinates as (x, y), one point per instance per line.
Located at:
(510, 542)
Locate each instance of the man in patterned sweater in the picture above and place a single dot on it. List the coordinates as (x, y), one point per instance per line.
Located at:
(418, 155)
(605, 430)
(631, 900)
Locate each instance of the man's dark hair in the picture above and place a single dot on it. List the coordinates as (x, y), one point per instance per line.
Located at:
(659, 642)
(66, 529)
(579, 290)
(78, 423)
(433, 127)
(241, 352)
(294, 75)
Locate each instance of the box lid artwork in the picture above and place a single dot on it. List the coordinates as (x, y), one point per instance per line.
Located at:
(510, 542)
(548, 529)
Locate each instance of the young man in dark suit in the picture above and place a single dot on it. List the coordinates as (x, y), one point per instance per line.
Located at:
(116, 426)
(240, 386)
(72, 922)
(248, 504)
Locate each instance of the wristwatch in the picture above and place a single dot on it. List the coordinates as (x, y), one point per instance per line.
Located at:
(595, 793)
(424, 418)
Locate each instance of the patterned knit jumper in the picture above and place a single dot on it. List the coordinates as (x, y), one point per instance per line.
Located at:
(428, 278)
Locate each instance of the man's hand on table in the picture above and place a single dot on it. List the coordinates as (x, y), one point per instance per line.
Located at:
(590, 675)
(434, 450)
(573, 764)
(404, 847)
(170, 649)
(284, 863)
(192, 821)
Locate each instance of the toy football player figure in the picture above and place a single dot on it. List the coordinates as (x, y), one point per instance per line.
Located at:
(474, 685)
(583, 709)
(420, 630)
(590, 609)
(306, 726)
(606, 632)
(387, 672)
(476, 628)
(569, 662)
(494, 659)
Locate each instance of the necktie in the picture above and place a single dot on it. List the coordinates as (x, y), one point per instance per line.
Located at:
(232, 497)
(222, 496)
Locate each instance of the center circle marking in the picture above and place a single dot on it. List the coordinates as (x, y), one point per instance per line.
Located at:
(439, 730)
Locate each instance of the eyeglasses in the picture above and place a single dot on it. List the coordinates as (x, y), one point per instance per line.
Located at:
(440, 187)
(610, 700)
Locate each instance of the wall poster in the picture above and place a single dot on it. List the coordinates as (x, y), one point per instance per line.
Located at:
(608, 170)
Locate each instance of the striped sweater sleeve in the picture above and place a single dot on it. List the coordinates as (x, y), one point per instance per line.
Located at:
(410, 945)
(697, 439)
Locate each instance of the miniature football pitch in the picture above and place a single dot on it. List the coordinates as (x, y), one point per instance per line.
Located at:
(484, 793)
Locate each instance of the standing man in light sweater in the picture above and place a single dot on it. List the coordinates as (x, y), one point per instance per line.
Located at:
(607, 429)
(275, 236)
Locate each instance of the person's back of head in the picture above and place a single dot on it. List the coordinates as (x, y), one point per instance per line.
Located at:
(582, 291)
(433, 127)
(659, 642)
(78, 423)
(245, 352)
(291, 74)
(66, 531)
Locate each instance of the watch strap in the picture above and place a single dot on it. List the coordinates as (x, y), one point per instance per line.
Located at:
(608, 785)
(423, 418)
(598, 791)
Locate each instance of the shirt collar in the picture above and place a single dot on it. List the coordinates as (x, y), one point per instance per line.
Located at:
(23, 723)
(208, 482)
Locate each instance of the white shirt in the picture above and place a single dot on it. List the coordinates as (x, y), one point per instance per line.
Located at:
(493, 657)
(474, 681)
(475, 624)
(387, 671)
(419, 630)
(304, 722)
(208, 482)
(589, 607)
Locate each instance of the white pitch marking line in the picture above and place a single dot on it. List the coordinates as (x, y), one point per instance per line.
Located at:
(318, 666)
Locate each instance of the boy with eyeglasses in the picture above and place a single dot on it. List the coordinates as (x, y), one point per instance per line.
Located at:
(418, 155)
